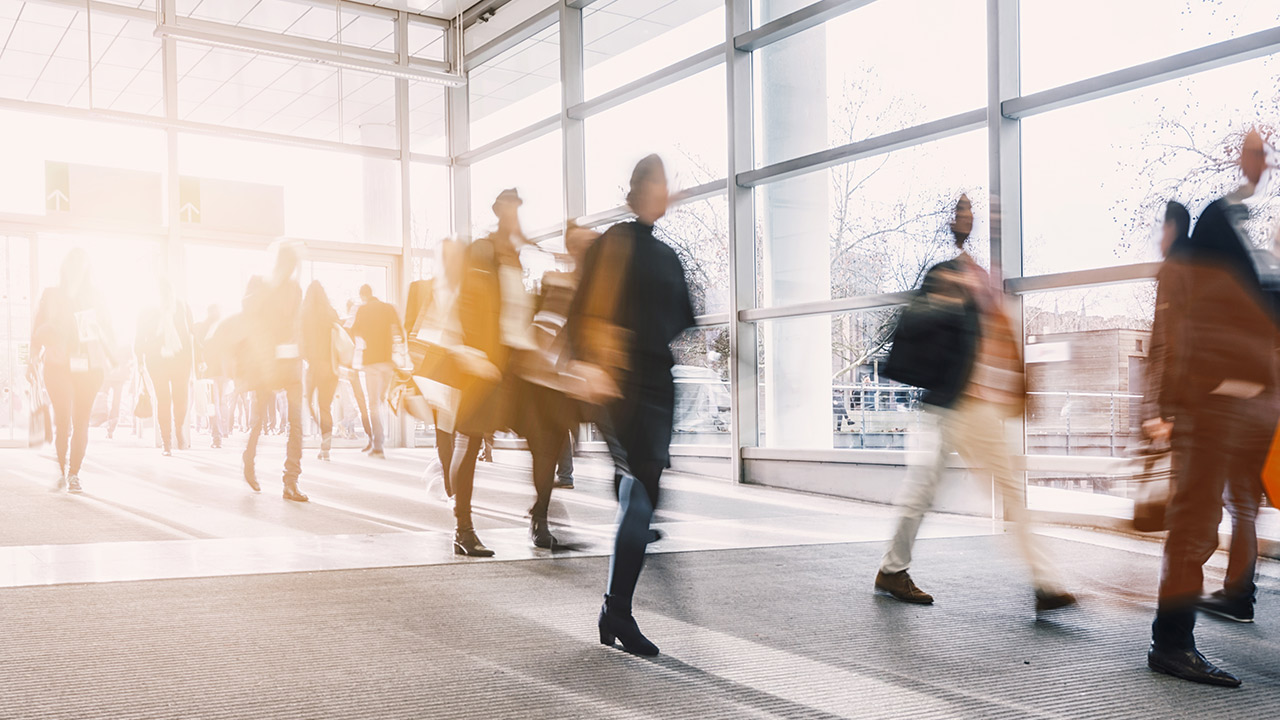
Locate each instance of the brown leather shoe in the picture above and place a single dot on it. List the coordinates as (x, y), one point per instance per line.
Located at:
(1046, 601)
(900, 586)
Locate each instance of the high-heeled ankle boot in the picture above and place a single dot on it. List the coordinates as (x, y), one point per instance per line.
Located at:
(616, 622)
(466, 542)
(540, 534)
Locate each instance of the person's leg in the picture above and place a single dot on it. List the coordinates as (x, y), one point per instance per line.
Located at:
(113, 413)
(180, 380)
(637, 498)
(980, 439)
(564, 464)
(918, 491)
(215, 412)
(378, 378)
(58, 384)
(327, 386)
(362, 403)
(444, 451)
(488, 448)
(256, 407)
(1243, 497)
(462, 476)
(164, 403)
(84, 389)
(545, 448)
(293, 447)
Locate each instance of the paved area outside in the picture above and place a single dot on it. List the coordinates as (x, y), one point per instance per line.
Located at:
(784, 632)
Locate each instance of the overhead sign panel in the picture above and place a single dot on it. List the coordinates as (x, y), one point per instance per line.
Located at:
(231, 206)
(113, 195)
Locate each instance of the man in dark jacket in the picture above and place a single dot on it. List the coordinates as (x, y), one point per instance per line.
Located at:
(955, 341)
(377, 324)
(1213, 377)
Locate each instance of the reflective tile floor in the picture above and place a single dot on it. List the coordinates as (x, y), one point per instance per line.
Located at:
(144, 516)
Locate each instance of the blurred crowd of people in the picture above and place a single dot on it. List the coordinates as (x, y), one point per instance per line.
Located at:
(479, 348)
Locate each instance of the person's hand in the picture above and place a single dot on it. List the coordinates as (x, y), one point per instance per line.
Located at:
(1157, 429)
(594, 385)
(477, 364)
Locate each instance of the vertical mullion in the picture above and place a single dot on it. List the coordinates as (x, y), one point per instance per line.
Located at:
(1004, 151)
(572, 92)
(744, 369)
(407, 422)
(459, 135)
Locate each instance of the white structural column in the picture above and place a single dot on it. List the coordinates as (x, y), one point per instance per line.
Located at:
(458, 128)
(381, 224)
(796, 251)
(1004, 155)
(175, 258)
(573, 92)
(744, 370)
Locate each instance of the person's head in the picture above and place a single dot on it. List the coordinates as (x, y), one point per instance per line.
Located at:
(507, 208)
(316, 298)
(649, 196)
(74, 273)
(577, 241)
(286, 260)
(1177, 226)
(452, 260)
(1253, 156)
(962, 221)
(366, 293)
(251, 288)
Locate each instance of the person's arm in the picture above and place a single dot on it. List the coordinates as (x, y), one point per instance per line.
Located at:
(1169, 351)
(361, 322)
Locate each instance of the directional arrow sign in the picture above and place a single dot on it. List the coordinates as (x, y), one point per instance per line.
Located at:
(189, 199)
(57, 187)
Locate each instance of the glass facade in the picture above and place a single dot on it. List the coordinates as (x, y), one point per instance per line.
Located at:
(816, 153)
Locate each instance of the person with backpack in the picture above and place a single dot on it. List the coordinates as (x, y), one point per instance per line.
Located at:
(954, 341)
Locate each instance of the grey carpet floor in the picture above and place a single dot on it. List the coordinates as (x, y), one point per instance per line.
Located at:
(772, 633)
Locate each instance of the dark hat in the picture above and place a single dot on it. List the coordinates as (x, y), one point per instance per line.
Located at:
(508, 196)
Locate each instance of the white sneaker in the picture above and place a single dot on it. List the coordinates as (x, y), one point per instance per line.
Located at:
(73, 484)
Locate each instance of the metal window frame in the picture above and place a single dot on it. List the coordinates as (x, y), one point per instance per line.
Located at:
(656, 80)
(509, 141)
(526, 29)
(793, 23)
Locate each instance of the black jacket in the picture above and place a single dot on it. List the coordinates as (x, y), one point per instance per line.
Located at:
(936, 340)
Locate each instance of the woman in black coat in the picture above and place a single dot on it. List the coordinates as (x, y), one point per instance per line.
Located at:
(633, 302)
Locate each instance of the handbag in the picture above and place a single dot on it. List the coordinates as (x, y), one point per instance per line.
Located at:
(1154, 487)
(40, 429)
(407, 396)
(142, 408)
(1271, 471)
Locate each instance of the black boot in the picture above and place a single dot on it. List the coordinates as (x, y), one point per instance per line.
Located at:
(1189, 664)
(466, 542)
(540, 534)
(616, 622)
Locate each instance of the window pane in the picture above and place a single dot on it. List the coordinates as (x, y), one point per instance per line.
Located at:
(1134, 32)
(1086, 356)
(536, 170)
(684, 123)
(699, 232)
(1131, 153)
(325, 195)
(368, 109)
(426, 41)
(625, 40)
(516, 89)
(703, 397)
(367, 29)
(870, 226)
(427, 119)
(429, 208)
(764, 11)
(820, 384)
(308, 20)
(854, 77)
(31, 140)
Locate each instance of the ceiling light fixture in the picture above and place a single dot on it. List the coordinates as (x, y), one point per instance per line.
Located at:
(230, 42)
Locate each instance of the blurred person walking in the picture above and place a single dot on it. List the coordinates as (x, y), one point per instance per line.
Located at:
(352, 376)
(319, 323)
(494, 317)
(116, 380)
(633, 301)
(72, 341)
(955, 341)
(165, 350)
(209, 368)
(1213, 376)
(273, 361)
(431, 316)
(377, 324)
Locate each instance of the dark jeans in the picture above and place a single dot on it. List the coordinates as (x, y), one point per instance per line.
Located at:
(170, 378)
(1243, 497)
(1221, 438)
(321, 387)
(637, 499)
(293, 452)
(564, 466)
(71, 394)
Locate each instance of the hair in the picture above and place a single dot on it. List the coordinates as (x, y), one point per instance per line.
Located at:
(1176, 213)
(316, 299)
(645, 170)
(75, 269)
(964, 198)
(285, 251)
